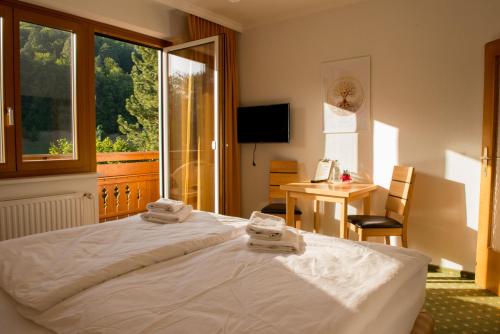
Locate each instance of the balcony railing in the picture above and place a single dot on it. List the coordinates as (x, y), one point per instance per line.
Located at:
(127, 182)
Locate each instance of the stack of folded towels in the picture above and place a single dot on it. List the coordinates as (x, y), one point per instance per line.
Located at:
(166, 211)
(270, 233)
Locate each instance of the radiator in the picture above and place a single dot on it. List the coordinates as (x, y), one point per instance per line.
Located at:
(27, 216)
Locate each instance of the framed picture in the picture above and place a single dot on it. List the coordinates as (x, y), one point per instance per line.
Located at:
(346, 95)
(323, 170)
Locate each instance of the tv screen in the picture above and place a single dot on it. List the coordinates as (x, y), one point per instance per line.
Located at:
(264, 124)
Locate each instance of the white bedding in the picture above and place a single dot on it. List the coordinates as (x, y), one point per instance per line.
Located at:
(41, 270)
(395, 316)
(335, 286)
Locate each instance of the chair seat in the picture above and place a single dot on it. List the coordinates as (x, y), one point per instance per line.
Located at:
(278, 208)
(365, 221)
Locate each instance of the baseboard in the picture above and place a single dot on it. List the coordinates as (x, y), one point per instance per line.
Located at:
(432, 268)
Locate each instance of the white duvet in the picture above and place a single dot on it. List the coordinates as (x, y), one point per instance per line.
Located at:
(42, 270)
(231, 289)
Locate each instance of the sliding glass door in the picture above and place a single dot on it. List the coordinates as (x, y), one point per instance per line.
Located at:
(190, 125)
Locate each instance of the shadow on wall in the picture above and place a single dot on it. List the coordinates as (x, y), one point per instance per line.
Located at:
(444, 210)
(438, 222)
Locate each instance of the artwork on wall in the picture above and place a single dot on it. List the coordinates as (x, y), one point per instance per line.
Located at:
(346, 95)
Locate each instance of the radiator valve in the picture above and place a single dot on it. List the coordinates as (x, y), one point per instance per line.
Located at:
(88, 195)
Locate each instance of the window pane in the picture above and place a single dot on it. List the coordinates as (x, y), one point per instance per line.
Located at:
(2, 102)
(47, 63)
(127, 102)
(191, 130)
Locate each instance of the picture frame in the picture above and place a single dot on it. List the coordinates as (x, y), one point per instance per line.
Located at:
(323, 171)
(346, 97)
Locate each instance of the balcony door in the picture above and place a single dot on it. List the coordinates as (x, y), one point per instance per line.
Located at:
(488, 238)
(190, 159)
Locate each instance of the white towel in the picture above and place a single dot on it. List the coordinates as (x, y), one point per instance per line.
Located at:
(167, 218)
(291, 242)
(165, 205)
(265, 227)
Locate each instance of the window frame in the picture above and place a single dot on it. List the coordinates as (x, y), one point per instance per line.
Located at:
(82, 128)
(85, 30)
(8, 92)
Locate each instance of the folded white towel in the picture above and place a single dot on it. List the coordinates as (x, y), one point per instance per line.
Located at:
(291, 242)
(265, 227)
(165, 205)
(168, 218)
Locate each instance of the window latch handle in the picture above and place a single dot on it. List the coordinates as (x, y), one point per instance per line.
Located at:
(484, 159)
(10, 116)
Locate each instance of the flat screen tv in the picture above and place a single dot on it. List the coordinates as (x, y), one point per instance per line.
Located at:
(264, 124)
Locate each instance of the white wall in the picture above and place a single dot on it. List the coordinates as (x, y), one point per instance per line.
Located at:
(427, 85)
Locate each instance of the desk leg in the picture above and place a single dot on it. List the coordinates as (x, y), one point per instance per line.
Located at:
(316, 216)
(290, 210)
(344, 231)
(367, 204)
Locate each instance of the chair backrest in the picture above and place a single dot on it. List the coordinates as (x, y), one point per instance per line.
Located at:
(281, 172)
(400, 191)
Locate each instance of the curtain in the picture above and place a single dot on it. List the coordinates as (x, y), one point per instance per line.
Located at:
(230, 189)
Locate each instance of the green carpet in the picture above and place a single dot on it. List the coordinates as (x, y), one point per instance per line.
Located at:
(459, 306)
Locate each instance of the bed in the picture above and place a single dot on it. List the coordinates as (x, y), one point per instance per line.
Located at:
(200, 277)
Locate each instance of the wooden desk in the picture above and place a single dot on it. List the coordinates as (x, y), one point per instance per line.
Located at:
(343, 194)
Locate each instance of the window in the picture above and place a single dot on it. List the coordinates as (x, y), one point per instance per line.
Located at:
(45, 123)
(47, 88)
(127, 96)
(52, 123)
(48, 93)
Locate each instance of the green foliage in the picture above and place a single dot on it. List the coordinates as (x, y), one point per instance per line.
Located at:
(143, 104)
(45, 80)
(61, 146)
(113, 87)
(126, 92)
(108, 145)
(114, 49)
(64, 146)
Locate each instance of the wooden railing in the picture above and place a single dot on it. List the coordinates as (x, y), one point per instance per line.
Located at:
(127, 182)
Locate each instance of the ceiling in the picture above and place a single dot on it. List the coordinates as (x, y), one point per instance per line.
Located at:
(246, 14)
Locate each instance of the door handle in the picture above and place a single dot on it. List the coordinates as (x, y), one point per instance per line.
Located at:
(484, 160)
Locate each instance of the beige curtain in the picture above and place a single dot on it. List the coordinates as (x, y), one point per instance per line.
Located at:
(200, 28)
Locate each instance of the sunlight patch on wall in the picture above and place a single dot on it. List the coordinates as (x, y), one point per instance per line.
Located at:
(385, 152)
(466, 170)
(344, 148)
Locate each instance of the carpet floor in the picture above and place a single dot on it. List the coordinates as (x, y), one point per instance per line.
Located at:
(459, 306)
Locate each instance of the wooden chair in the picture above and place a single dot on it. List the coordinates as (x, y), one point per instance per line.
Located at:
(281, 172)
(395, 221)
